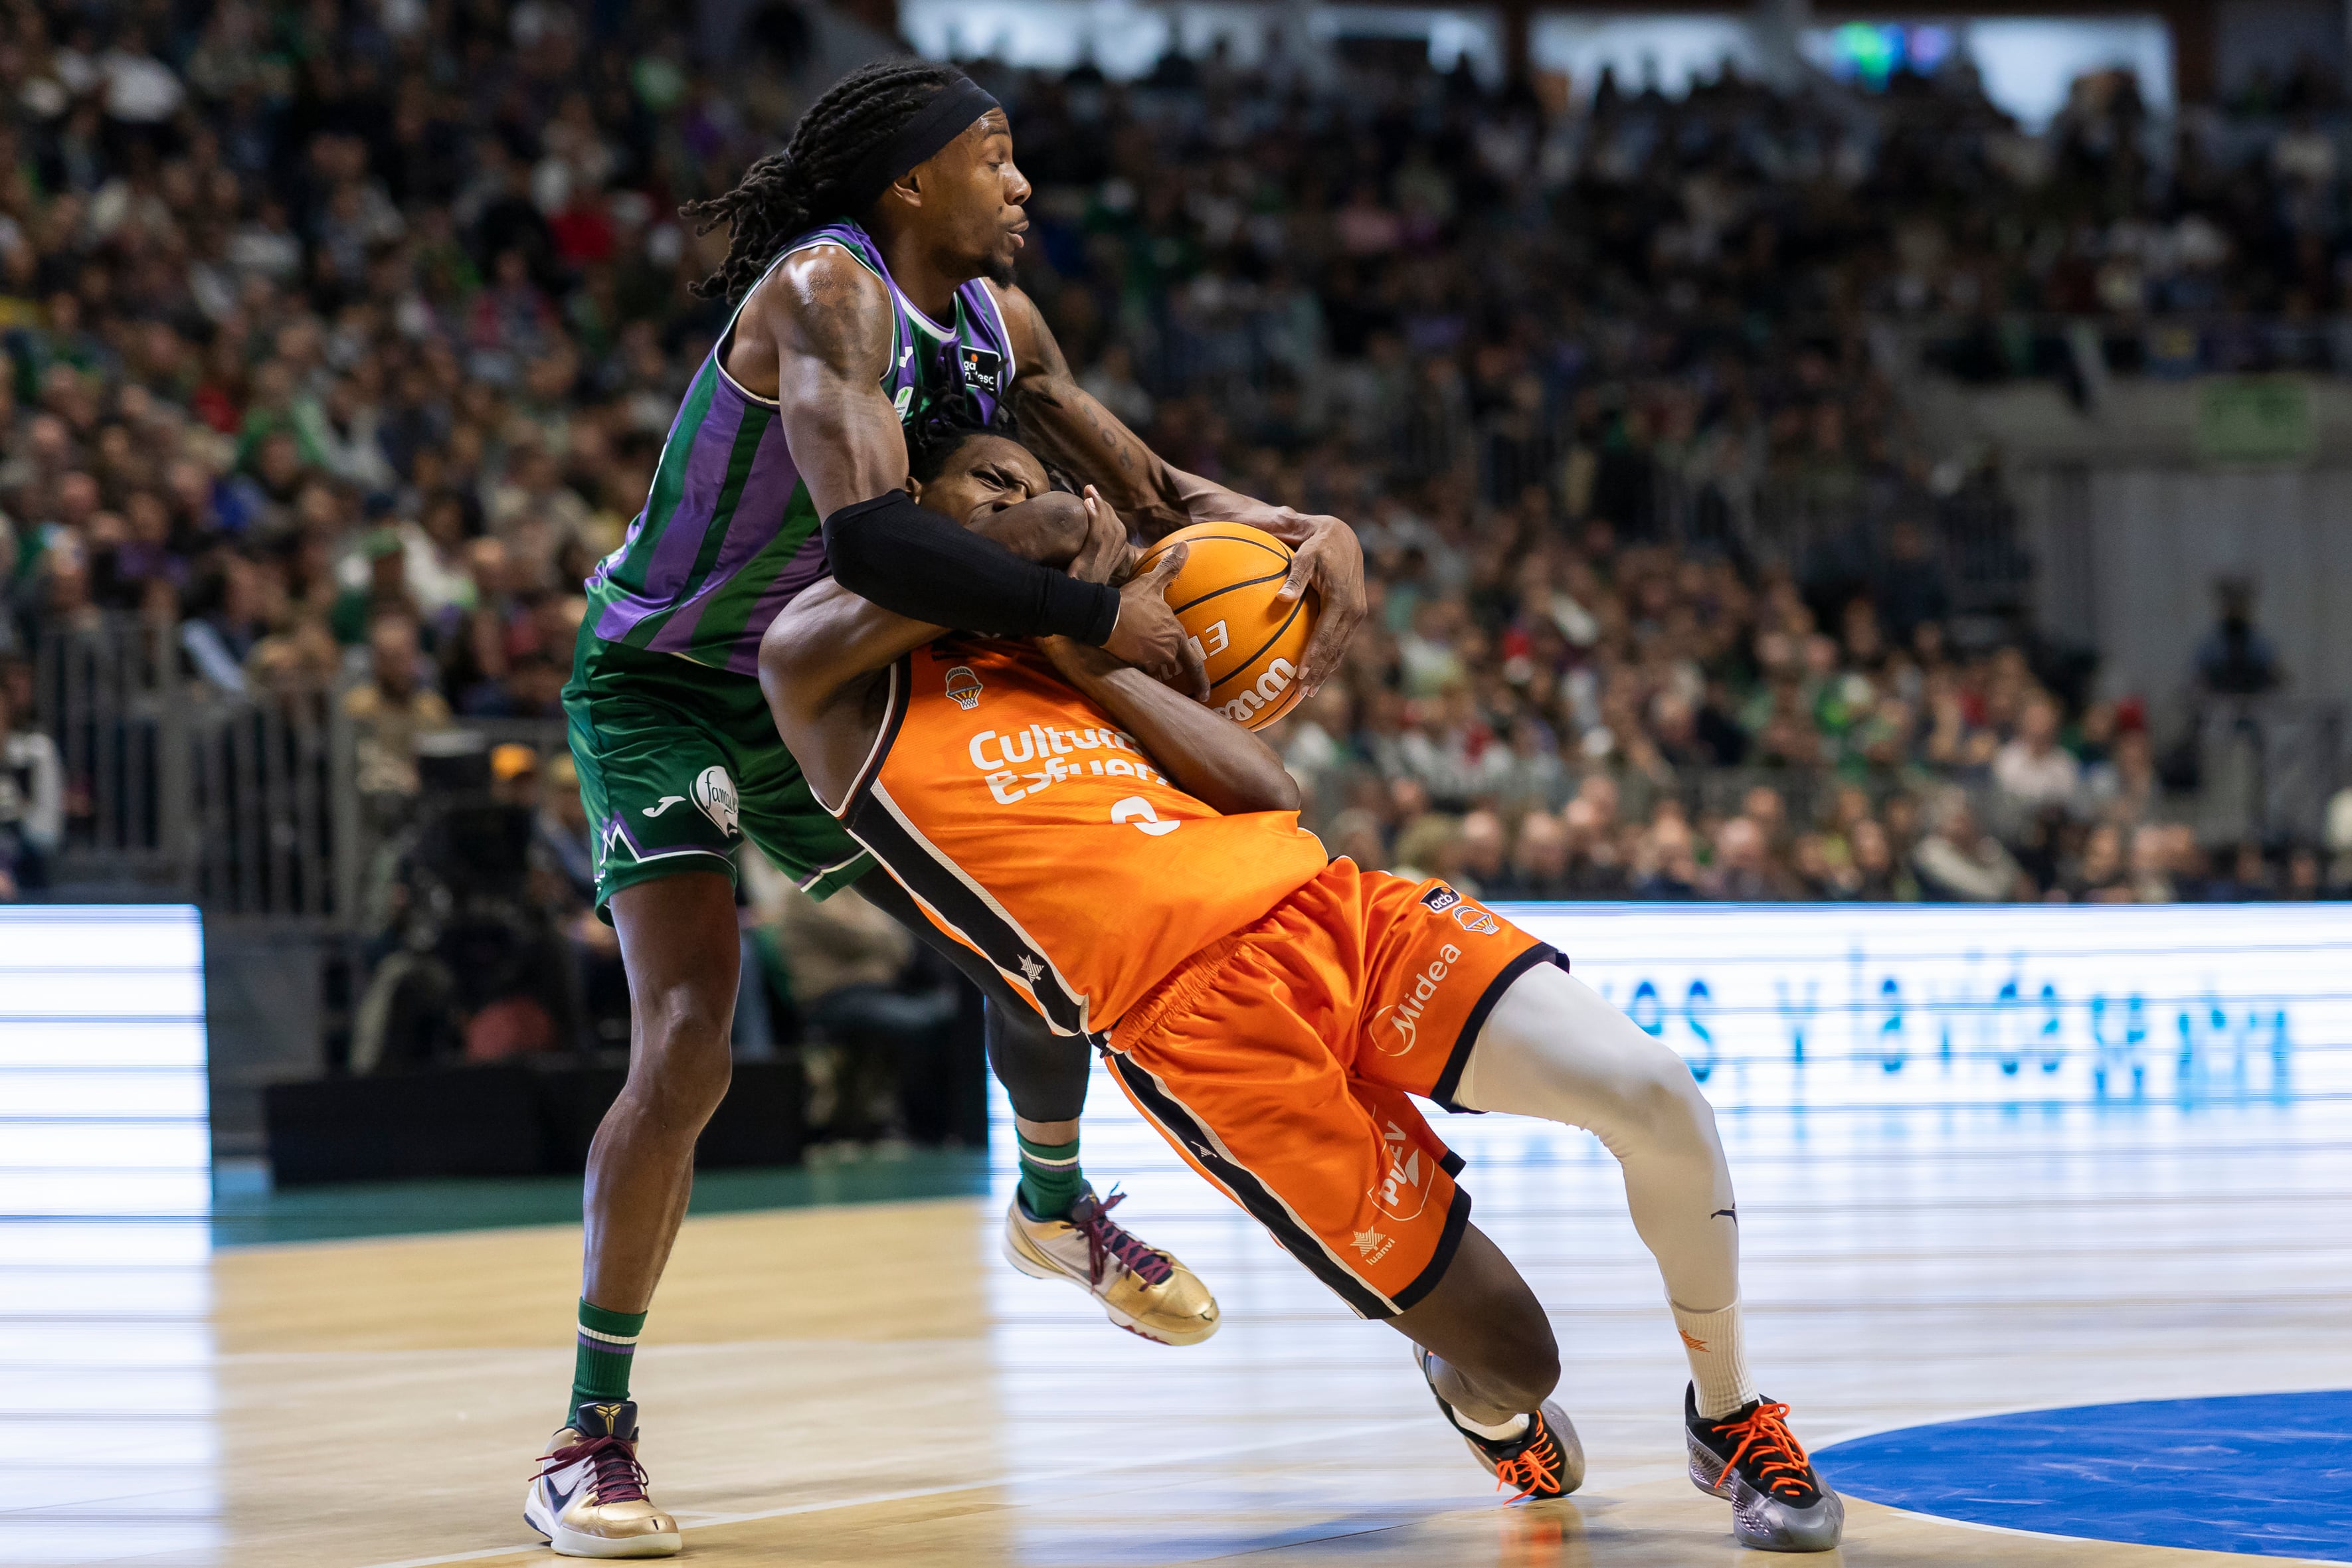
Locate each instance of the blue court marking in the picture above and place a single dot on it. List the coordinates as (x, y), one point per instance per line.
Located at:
(2269, 1474)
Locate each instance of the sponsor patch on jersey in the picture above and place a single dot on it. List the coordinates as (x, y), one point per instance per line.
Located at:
(983, 369)
(714, 793)
(1403, 1192)
(1440, 899)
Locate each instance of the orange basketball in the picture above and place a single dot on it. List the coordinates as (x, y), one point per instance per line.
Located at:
(1224, 595)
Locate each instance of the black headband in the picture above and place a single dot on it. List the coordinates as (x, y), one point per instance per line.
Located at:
(946, 116)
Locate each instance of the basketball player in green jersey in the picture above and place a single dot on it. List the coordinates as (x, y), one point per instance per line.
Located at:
(872, 260)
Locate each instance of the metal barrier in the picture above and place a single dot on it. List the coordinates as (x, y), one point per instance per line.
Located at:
(176, 790)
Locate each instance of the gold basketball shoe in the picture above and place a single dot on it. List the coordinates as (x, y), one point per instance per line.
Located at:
(589, 1497)
(1143, 1288)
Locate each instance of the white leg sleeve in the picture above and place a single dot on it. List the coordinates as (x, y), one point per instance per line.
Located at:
(1552, 1048)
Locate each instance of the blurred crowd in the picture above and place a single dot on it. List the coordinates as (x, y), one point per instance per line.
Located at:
(342, 340)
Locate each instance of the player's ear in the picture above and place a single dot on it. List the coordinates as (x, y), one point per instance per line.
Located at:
(914, 489)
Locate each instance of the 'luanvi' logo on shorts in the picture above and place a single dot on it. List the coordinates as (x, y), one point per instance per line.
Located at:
(964, 686)
(714, 792)
(1403, 1017)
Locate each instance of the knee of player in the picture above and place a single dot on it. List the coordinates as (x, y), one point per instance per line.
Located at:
(685, 1041)
(1659, 1096)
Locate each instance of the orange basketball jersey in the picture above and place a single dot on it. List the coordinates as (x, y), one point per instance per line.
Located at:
(1034, 831)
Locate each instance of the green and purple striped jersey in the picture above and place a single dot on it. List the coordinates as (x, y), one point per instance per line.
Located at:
(729, 534)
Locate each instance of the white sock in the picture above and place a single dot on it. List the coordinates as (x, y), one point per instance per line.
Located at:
(1514, 1427)
(1718, 1358)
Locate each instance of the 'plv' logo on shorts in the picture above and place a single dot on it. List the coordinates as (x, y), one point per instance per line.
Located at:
(1401, 1195)
(1397, 1029)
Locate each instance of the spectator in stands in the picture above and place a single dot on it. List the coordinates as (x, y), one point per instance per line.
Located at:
(2098, 875)
(2235, 658)
(2033, 770)
(1481, 854)
(389, 711)
(32, 794)
(1958, 863)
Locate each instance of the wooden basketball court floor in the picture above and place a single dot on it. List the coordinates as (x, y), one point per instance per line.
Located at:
(872, 1385)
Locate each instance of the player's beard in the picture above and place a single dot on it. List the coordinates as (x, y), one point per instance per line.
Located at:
(1000, 272)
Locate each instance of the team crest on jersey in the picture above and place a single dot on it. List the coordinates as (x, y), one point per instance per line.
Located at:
(964, 686)
(983, 369)
(1440, 899)
(714, 793)
(1472, 918)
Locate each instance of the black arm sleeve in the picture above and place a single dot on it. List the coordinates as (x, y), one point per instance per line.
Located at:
(917, 564)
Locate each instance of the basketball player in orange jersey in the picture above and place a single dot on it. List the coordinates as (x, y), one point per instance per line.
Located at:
(1131, 861)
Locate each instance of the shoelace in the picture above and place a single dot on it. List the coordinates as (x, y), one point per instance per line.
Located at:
(1779, 1459)
(1533, 1467)
(1106, 1239)
(619, 1477)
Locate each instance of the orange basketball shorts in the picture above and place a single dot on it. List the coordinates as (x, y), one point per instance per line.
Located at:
(1280, 1062)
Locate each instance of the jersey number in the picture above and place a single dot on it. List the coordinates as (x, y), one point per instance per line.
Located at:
(1136, 810)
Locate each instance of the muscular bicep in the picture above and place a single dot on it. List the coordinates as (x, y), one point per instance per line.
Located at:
(830, 323)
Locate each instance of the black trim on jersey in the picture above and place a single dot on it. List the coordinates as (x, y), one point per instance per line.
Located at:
(1452, 1164)
(1451, 1079)
(894, 702)
(1253, 1194)
(1449, 1241)
(940, 886)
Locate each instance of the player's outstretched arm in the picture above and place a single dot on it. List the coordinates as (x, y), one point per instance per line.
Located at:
(1068, 424)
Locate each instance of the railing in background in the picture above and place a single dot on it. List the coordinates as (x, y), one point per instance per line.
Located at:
(179, 790)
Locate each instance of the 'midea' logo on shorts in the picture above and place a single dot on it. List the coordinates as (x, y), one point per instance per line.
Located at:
(1397, 1030)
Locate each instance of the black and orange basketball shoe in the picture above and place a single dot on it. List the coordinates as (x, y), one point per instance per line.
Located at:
(1750, 1459)
(1545, 1462)
(589, 1497)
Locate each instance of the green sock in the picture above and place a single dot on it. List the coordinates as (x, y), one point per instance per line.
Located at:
(608, 1342)
(1050, 1178)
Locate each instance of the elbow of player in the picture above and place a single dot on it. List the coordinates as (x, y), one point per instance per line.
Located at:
(1275, 789)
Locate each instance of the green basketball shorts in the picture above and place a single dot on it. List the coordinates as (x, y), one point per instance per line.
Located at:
(679, 763)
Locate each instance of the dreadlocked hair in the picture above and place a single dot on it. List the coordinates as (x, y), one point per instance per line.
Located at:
(790, 191)
(950, 422)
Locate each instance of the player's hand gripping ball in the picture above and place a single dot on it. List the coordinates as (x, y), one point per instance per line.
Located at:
(1224, 595)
